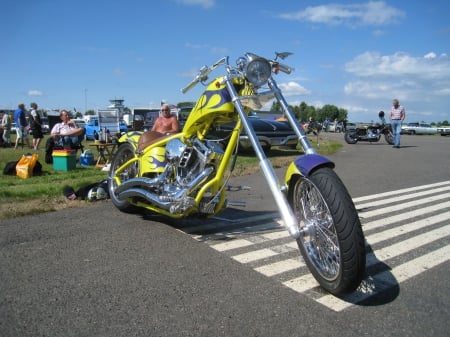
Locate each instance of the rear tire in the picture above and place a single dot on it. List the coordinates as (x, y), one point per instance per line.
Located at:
(350, 137)
(333, 245)
(124, 153)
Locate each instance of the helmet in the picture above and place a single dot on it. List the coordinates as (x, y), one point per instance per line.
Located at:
(92, 194)
(97, 193)
(381, 114)
(101, 193)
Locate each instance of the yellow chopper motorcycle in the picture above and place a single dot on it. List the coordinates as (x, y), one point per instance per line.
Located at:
(185, 174)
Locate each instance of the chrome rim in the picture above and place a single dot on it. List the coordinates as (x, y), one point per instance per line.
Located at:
(320, 239)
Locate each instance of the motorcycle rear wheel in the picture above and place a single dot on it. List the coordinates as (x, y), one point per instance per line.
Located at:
(350, 137)
(333, 245)
(124, 153)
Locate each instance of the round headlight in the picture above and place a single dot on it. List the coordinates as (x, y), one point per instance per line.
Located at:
(258, 71)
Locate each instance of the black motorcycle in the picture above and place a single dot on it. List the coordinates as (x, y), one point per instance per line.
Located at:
(371, 133)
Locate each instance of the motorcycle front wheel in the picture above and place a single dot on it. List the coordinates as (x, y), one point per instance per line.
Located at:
(389, 137)
(123, 154)
(350, 137)
(332, 243)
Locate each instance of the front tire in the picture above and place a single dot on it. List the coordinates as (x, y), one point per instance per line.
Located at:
(350, 137)
(333, 245)
(124, 153)
(389, 138)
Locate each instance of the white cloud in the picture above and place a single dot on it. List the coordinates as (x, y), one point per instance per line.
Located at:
(196, 46)
(293, 89)
(118, 72)
(371, 64)
(201, 3)
(370, 13)
(35, 93)
(443, 92)
(422, 82)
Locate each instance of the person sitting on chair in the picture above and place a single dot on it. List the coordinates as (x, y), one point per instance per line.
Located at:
(68, 131)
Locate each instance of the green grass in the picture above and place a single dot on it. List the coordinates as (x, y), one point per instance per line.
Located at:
(44, 193)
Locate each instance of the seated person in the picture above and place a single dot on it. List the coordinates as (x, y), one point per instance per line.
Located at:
(164, 125)
(67, 133)
(167, 123)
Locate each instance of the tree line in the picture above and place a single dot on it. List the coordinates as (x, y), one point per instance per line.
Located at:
(303, 112)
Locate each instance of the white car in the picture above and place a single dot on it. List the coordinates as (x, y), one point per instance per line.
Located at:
(335, 128)
(418, 129)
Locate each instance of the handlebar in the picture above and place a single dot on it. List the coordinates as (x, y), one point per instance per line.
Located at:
(205, 70)
(203, 74)
(284, 68)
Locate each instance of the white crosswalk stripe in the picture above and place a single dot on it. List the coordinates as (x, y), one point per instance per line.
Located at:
(407, 232)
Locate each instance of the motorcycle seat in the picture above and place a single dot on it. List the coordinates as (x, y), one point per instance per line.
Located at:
(148, 138)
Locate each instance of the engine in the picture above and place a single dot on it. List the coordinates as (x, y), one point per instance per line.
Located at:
(188, 166)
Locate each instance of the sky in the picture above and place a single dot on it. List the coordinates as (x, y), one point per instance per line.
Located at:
(358, 55)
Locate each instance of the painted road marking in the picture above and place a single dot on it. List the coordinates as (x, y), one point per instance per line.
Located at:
(407, 230)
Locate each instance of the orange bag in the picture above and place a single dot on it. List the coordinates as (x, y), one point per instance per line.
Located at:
(25, 166)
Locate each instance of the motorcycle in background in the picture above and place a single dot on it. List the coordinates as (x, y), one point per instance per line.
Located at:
(371, 133)
(186, 173)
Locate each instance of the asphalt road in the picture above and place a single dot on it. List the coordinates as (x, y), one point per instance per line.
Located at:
(97, 272)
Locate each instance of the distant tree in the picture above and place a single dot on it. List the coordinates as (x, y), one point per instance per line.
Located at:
(89, 112)
(276, 107)
(303, 112)
(185, 104)
(332, 112)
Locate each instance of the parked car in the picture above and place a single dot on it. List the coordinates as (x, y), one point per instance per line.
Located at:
(114, 127)
(45, 125)
(418, 129)
(269, 132)
(350, 126)
(183, 114)
(443, 130)
(335, 127)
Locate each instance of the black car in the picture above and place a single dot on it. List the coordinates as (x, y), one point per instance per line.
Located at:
(269, 132)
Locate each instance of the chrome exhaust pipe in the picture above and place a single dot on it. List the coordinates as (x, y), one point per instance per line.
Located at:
(149, 197)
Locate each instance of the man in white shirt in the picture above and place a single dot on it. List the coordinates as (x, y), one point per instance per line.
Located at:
(68, 130)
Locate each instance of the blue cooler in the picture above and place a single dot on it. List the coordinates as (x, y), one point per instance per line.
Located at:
(87, 158)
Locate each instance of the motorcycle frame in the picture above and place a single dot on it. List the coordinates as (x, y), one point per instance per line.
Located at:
(302, 166)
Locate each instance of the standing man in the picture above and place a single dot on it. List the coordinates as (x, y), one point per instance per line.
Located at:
(36, 126)
(6, 124)
(396, 117)
(21, 124)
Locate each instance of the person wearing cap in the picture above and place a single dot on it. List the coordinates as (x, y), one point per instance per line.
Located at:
(21, 124)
